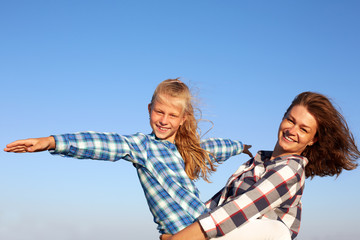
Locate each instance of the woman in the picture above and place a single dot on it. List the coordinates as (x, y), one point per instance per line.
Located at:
(261, 200)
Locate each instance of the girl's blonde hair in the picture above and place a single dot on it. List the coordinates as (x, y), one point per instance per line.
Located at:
(187, 139)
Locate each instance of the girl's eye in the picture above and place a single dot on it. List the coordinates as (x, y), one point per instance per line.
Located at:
(304, 130)
(289, 120)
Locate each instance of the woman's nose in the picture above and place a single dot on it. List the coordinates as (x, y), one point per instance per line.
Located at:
(292, 130)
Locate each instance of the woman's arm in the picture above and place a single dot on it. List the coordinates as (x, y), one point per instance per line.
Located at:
(192, 232)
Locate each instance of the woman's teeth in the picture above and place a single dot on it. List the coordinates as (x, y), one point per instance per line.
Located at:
(289, 139)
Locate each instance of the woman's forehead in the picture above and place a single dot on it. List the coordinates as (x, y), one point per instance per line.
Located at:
(302, 115)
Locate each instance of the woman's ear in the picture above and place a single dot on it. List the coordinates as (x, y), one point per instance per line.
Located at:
(313, 141)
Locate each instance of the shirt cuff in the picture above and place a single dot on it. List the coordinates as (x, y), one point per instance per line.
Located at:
(241, 147)
(61, 144)
(208, 225)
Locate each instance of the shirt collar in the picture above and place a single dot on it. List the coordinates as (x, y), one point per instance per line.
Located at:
(166, 142)
(263, 156)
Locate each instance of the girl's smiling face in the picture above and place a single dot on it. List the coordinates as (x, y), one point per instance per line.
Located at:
(166, 118)
(297, 131)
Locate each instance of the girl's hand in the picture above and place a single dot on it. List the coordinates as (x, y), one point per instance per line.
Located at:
(246, 150)
(31, 145)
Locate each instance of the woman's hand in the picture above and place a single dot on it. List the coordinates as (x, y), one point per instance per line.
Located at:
(165, 237)
(31, 145)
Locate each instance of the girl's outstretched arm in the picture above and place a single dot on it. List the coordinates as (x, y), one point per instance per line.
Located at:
(31, 145)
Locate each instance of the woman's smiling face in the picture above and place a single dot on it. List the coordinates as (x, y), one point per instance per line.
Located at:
(297, 131)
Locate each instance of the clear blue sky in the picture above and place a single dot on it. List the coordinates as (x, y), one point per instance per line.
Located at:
(68, 66)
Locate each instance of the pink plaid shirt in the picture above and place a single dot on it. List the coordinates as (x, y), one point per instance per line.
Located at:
(260, 188)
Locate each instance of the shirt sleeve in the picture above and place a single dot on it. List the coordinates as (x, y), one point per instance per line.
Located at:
(222, 149)
(100, 146)
(278, 185)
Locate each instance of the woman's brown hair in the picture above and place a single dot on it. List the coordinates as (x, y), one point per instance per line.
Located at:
(187, 139)
(335, 148)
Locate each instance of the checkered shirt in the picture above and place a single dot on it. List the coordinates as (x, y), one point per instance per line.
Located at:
(172, 197)
(260, 188)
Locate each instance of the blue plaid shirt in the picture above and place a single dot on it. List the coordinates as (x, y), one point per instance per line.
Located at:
(172, 197)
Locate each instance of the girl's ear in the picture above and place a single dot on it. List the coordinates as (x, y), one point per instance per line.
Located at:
(149, 108)
(183, 120)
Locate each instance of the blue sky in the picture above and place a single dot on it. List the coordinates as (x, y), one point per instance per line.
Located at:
(68, 66)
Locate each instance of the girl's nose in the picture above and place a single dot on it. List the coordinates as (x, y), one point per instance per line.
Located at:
(164, 120)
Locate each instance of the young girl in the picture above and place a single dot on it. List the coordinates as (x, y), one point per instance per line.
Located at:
(167, 160)
(261, 200)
